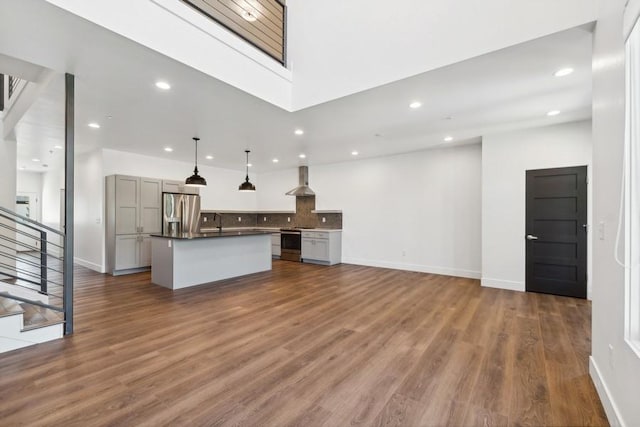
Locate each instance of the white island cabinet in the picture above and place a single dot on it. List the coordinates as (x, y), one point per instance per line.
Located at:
(322, 246)
(180, 261)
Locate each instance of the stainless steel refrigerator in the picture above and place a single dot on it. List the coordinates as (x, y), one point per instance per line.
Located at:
(181, 213)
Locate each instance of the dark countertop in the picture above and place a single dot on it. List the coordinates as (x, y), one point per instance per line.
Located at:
(211, 234)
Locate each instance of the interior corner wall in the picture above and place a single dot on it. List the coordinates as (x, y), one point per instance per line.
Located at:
(614, 366)
(418, 211)
(505, 159)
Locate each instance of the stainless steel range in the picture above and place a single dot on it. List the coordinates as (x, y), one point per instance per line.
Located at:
(291, 244)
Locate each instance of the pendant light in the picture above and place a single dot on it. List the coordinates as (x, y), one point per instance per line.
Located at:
(246, 185)
(195, 180)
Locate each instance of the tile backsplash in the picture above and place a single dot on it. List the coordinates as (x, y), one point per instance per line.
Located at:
(303, 217)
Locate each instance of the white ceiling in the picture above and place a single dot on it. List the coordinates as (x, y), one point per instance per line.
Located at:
(508, 89)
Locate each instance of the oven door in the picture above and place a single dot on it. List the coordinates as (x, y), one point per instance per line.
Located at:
(290, 245)
(290, 241)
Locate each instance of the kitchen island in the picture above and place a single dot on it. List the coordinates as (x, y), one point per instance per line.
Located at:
(191, 259)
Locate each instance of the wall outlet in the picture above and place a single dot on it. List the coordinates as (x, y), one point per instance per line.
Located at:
(324, 219)
(239, 219)
(601, 230)
(264, 219)
(288, 219)
(404, 253)
(204, 219)
(169, 243)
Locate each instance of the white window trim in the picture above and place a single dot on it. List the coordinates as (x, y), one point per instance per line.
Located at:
(632, 192)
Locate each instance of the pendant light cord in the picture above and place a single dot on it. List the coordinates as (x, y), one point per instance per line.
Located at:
(196, 162)
(247, 165)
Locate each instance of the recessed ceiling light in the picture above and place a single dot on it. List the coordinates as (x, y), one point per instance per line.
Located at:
(275, 160)
(209, 157)
(563, 72)
(354, 153)
(168, 149)
(415, 104)
(553, 113)
(299, 132)
(302, 156)
(448, 138)
(35, 160)
(248, 16)
(58, 147)
(249, 165)
(94, 125)
(163, 85)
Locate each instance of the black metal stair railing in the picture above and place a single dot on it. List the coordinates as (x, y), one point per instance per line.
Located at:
(36, 267)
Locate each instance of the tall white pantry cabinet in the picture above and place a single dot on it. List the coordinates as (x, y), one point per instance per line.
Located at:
(133, 212)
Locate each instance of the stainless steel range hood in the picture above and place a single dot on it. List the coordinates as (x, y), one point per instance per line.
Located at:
(303, 179)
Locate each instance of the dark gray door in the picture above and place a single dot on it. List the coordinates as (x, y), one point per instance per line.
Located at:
(556, 233)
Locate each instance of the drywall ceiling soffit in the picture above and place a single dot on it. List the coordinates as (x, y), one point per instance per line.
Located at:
(507, 89)
(21, 69)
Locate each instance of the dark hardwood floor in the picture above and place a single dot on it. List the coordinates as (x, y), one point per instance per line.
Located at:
(308, 345)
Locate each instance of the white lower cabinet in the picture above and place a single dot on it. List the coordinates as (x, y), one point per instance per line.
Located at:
(322, 247)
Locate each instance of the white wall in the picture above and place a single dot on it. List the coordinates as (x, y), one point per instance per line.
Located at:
(7, 182)
(221, 192)
(615, 368)
(505, 158)
(7, 171)
(272, 186)
(331, 57)
(52, 183)
(89, 210)
(417, 211)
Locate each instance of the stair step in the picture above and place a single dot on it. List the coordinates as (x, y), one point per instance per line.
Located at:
(38, 317)
(9, 307)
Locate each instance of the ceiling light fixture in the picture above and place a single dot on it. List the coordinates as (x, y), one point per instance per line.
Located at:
(299, 132)
(248, 16)
(415, 104)
(168, 149)
(563, 72)
(196, 180)
(209, 157)
(448, 138)
(163, 85)
(35, 160)
(58, 147)
(303, 156)
(354, 153)
(275, 160)
(553, 113)
(246, 186)
(94, 125)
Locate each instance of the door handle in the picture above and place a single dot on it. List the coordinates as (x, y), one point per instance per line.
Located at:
(531, 237)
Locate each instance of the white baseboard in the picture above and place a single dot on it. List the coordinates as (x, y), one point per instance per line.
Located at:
(503, 284)
(446, 271)
(90, 265)
(609, 405)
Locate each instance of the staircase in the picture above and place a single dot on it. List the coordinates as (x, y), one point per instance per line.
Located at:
(35, 283)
